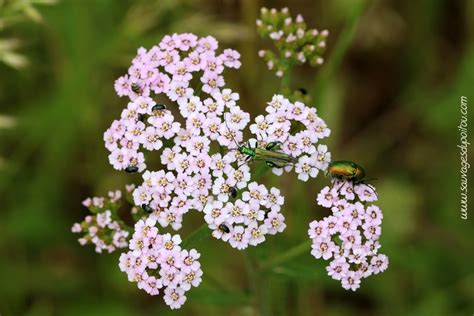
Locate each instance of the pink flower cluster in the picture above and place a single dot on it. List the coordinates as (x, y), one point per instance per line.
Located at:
(202, 168)
(245, 221)
(168, 68)
(283, 117)
(205, 183)
(191, 172)
(349, 237)
(157, 261)
(193, 176)
(103, 229)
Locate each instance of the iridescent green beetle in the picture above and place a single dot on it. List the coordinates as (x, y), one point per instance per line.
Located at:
(272, 157)
(346, 171)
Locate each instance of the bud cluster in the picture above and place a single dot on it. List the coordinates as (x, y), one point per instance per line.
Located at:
(295, 43)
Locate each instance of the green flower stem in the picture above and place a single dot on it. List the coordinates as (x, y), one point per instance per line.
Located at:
(285, 84)
(345, 39)
(326, 94)
(217, 283)
(249, 13)
(258, 288)
(251, 273)
(197, 235)
(259, 171)
(287, 256)
(199, 89)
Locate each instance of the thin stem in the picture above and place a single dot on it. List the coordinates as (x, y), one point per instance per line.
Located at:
(257, 283)
(249, 12)
(197, 235)
(259, 171)
(216, 283)
(287, 256)
(285, 84)
(343, 44)
(199, 89)
(251, 273)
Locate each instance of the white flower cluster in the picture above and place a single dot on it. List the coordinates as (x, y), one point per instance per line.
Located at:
(103, 229)
(350, 236)
(246, 221)
(166, 68)
(157, 262)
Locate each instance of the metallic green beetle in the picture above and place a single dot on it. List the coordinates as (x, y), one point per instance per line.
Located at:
(346, 170)
(272, 158)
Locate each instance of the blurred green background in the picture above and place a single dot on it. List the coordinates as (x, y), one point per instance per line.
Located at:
(389, 90)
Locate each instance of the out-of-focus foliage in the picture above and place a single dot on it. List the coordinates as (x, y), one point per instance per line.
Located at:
(389, 90)
(5, 122)
(13, 12)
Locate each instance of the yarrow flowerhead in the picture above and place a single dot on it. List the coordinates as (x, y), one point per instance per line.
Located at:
(205, 164)
(349, 237)
(104, 229)
(195, 174)
(157, 262)
(295, 43)
(167, 68)
(198, 179)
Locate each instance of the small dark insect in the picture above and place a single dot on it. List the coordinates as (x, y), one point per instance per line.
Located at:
(303, 91)
(131, 169)
(158, 107)
(233, 192)
(147, 208)
(136, 88)
(223, 228)
(266, 214)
